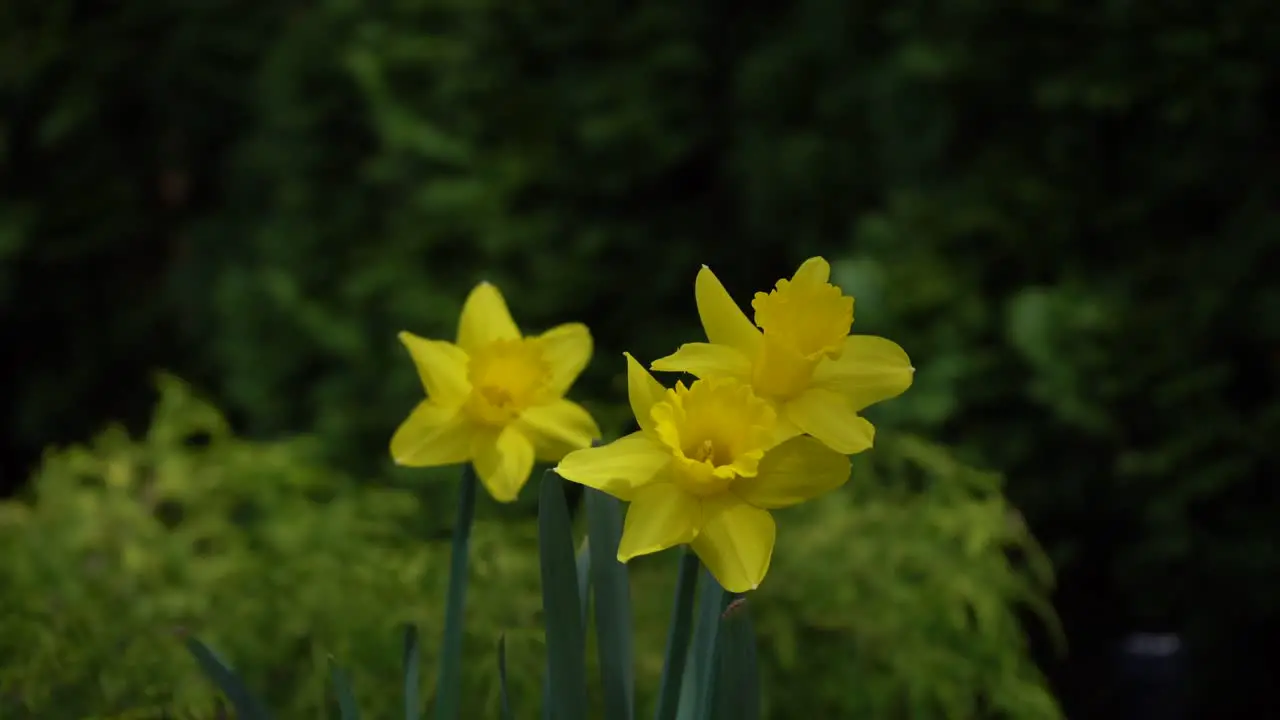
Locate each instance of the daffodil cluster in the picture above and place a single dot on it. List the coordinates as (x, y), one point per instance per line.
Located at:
(768, 423)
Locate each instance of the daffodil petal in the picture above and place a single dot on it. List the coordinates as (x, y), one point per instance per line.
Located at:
(870, 369)
(485, 318)
(783, 430)
(827, 416)
(814, 271)
(661, 515)
(432, 435)
(706, 360)
(567, 349)
(722, 319)
(619, 468)
(800, 469)
(550, 448)
(442, 367)
(562, 420)
(642, 391)
(545, 448)
(735, 542)
(504, 461)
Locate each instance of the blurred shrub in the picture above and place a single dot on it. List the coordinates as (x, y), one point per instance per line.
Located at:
(270, 558)
(893, 599)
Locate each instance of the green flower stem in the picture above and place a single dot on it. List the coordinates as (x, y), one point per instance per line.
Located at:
(448, 683)
(678, 635)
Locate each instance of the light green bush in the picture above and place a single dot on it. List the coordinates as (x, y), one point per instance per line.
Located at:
(892, 598)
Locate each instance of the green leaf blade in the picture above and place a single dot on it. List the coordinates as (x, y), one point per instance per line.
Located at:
(737, 684)
(412, 672)
(347, 708)
(583, 567)
(611, 588)
(561, 608)
(245, 704)
(697, 695)
(675, 664)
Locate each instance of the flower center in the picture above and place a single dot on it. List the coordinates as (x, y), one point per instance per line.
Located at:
(803, 320)
(716, 429)
(705, 452)
(506, 377)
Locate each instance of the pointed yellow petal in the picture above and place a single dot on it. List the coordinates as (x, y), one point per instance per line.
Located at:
(618, 468)
(485, 318)
(504, 461)
(442, 367)
(828, 417)
(567, 349)
(706, 360)
(783, 431)
(547, 449)
(814, 271)
(722, 319)
(432, 435)
(870, 369)
(643, 391)
(800, 469)
(562, 420)
(735, 542)
(661, 516)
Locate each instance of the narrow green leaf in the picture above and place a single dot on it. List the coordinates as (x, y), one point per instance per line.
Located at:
(503, 697)
(689, 693)
(561, 609)
(583, 567)
(678, 632)
(737, 685)
(612, 591)
(347, 708)
(412, 672)
(583, 563)
(246, 706)
(449, 678)
(711, 603)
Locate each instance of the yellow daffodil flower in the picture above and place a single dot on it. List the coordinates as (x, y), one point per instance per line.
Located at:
(798, 355)
(704, 469)
(496, 398)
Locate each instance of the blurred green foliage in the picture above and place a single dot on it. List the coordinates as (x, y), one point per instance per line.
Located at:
(893, 598)
(268, 557)
(1064, 211)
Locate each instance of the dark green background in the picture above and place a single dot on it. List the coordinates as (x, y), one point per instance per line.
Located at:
(1065, 212)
